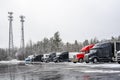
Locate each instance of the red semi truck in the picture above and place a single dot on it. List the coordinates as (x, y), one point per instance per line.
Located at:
(80, 56)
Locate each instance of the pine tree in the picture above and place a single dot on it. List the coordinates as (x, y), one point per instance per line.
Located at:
(118, 38)
(76, 46)
(86, 42)
(56, 41)
(46, 45)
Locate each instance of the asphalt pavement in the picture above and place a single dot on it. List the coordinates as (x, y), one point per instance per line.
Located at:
(60, 71)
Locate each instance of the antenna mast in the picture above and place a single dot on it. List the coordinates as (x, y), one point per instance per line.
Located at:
(11, 46)
(22, 33)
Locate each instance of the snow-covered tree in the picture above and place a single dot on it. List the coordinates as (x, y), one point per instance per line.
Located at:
(76, 46)
(57, 41)
(86, 42)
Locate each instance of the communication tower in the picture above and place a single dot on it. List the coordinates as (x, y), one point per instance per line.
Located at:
(11, 46)
(22, 33)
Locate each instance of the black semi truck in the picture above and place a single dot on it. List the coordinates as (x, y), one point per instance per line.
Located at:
(37, 58)
(51, 57)
(63, 57)
(104, 52)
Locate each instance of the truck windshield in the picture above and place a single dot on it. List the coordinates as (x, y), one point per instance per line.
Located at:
(93, 51)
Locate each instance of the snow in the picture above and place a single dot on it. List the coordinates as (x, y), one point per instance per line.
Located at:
(100, 65)
(95, 68)
(100, 71)
(13, 61)
(107, 65)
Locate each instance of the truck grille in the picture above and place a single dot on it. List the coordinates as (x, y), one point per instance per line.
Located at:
(118, 54)
(118, 58)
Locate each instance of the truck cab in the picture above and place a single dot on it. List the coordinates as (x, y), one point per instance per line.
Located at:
(118, 56)
(80, 56)
(29, 59)
(51, 57)
(45, 57)
(38, 58)
(101, 52)
(63, 57)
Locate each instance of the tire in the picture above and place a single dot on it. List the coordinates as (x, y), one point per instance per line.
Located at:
(87, 61)
(74, 62)
(118, 62)
(80, 60)
(46, 61)
(57, 61)
(95, 60)
(111, 61)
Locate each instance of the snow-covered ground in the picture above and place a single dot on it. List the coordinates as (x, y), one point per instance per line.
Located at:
(99, 65)
(100, 71)
(13, 61)
(59, 71)
(95, 68)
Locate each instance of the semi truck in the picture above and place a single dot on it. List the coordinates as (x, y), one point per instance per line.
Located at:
(104, 52)
(51, 57)
(45, 56)
(34, 58)
(118, 56)
(38, 58)
(65, 57)
(80, 56)
(29, 59)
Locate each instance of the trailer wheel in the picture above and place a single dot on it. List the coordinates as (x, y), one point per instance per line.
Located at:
(95, 60)
(81, 60)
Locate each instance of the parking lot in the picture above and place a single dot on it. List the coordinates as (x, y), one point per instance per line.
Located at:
(60, 71)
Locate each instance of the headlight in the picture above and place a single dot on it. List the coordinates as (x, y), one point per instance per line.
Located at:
(90, 58)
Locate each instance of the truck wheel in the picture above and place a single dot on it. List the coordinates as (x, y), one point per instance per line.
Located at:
(87, 61)
(46, 61)
(74, 62)
(95, 60)
(119, 62)
(58, 61)
(81, 60)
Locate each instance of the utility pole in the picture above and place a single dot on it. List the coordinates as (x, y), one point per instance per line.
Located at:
(22, 34)
(11, 46)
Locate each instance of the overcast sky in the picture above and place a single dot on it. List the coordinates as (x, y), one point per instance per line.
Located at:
(74, 19)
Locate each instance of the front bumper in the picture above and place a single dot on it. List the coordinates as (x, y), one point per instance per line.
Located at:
(75, 60)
